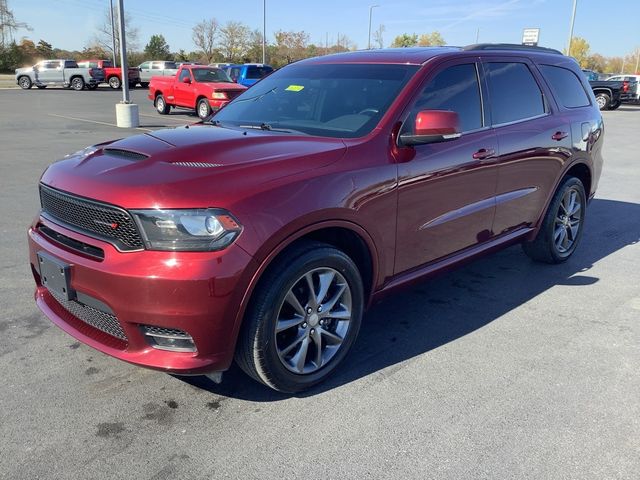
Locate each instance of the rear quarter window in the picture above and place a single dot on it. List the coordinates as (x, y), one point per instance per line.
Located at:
(566, 86)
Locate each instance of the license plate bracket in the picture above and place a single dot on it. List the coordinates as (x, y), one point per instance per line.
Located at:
(55, 275)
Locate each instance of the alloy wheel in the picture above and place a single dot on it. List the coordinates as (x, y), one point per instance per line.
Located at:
(313, 320)
(568, 221)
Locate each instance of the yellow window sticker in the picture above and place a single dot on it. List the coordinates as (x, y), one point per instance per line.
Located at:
(294, 88)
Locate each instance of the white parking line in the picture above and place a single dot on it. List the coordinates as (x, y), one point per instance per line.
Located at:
(168, 118)
(95, 121)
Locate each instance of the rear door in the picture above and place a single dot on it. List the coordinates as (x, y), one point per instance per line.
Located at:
(446, 192)
(534, 141)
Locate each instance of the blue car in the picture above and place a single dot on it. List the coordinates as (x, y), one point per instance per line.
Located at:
(249, 73)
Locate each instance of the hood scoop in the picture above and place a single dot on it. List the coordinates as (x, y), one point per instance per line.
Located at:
(125, 154)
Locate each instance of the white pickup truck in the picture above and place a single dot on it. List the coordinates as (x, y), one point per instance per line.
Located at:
(156, 68)
(59, 72)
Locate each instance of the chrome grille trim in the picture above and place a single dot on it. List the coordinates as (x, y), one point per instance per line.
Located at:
(103, 321)
(90, 217)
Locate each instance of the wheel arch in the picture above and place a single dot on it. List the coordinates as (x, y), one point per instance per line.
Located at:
(344, 235)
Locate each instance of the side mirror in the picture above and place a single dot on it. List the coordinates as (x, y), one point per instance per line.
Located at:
(186, 80)
(432, 126)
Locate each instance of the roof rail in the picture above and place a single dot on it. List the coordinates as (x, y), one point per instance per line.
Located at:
(511, 46)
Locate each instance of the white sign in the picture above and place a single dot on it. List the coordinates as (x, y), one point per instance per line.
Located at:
(530, 36)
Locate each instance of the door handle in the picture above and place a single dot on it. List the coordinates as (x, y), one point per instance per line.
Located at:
(559, 135)
(484, 153)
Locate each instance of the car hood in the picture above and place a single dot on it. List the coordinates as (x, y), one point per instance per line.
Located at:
(24, 69)
(195, 166)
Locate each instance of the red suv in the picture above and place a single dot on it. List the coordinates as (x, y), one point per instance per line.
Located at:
(264, 233)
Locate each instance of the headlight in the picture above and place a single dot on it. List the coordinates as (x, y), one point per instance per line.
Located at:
(187, 230)
(219, 95)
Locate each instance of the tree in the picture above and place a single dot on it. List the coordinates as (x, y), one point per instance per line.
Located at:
(596, 62)
(103, 37)
(580, 51)
(291, 46)
(377, 36)
(344, 43)
(254, 51)
(157, 48)
(433, 39)
(9, 25)
(234, 38)
(44, 49)
(204, 36)
(405, 40)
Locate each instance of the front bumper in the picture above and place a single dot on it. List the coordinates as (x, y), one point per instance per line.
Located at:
(196, 292)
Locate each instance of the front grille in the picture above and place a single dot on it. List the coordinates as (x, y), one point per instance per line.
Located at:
(231, 94)
(103, 321)
(71, 243)
(99, 220)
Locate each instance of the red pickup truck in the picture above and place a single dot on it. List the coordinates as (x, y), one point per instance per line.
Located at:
(196, 87)
(112, 75)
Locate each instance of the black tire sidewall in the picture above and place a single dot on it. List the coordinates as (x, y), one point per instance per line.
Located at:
(163, 110)
(277, 374)
(115, 80)
(607, 100)
(198, 109)
(75, 82)
(26, 86)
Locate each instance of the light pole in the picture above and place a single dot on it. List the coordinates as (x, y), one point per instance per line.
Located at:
(264, 31)
(573, 20)
(113, 33)
(370, 13)
(126, 112)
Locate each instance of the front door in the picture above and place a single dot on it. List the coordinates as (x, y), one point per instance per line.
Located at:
(183, 92)
(50, 72)
(446, 197)
(145, 72)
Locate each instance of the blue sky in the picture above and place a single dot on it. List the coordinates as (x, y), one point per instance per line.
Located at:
(70, 24)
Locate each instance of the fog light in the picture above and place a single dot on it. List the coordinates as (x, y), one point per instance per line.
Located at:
(170, 339)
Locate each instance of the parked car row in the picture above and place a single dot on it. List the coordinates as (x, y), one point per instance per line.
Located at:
(90, 73)
(613, 91)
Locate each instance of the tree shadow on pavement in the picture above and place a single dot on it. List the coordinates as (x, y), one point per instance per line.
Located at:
(441, 310)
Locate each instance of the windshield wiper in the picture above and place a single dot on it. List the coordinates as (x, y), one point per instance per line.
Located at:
(257, 97)
(270, 128)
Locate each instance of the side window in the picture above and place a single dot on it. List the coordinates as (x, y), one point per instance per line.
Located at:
(235, 73)
(156, 66)
(515, 95)
(184, 74)
(456, 89)
(145, 66)
(566, 86)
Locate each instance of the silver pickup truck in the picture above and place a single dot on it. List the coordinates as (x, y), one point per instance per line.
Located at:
(59, 72)
(156, 69)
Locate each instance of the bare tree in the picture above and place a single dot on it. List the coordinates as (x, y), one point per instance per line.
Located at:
(377, 36)
(234, 41)
(8, 24)
(291, 46)
(103, 37)
(204, 37)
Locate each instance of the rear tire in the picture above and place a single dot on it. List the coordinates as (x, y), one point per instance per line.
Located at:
(562, 226)
(77, 83)
(603, 101)
(294, 336)
(203, 109)
(114, 82)
(144, 84)
(25, 82)
(614, 106)
(161, 105)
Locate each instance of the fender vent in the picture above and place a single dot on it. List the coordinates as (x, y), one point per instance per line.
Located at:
(126, 154)
(197, 164)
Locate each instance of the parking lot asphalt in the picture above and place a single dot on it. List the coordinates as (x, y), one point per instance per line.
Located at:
(502, 369)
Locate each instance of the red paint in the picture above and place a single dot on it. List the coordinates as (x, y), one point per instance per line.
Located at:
(419, 210)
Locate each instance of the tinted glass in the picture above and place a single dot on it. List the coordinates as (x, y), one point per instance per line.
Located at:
(330, 100)
(70, 64)
(566, 86)
(184, 74)
(515, 95)
(258, 72)
(210, 75)
(170, 65)
(455, 89)
(106, 64)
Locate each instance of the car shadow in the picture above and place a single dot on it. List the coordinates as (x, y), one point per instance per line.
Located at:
(436, 312)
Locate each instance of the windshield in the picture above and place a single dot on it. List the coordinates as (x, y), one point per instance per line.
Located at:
(330, 100)
(210, 75)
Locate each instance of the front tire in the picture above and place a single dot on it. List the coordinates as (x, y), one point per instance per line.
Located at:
(114, 82)
(563, 224)
(203, 109)
(161, 105)
(77, 83)
(603, 101)
(303, 318)
(25, 83)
